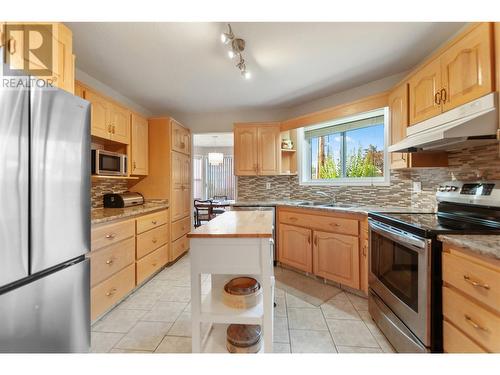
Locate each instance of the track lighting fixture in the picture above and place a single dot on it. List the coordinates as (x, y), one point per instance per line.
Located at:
(237, 46)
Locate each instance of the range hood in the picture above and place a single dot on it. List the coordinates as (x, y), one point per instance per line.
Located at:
(472, 124)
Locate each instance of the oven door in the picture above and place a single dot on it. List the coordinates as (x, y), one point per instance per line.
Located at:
(400, 275)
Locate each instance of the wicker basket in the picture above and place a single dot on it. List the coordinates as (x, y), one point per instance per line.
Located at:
(242, 293)
(243, 338)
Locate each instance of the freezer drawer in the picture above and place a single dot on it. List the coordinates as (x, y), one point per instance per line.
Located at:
(51, 314)
(60, 178)
(14, 159)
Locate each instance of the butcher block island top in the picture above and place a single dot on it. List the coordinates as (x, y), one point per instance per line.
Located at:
(237, 224)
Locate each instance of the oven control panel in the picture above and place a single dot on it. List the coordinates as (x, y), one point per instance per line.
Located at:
(470, 192)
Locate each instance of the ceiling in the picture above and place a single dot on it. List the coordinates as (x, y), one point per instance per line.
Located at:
(183, 67)
(213, 140)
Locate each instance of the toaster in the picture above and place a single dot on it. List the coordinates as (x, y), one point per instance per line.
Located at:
(121, 200)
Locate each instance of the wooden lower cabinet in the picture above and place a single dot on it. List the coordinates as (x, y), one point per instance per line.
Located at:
(125, 254)
(111, 291)
(328, 244)
(151, 240)
(151, 263)
(336, 257)
(295, 247)
(106, 262)
(179, 247)
(471, 303)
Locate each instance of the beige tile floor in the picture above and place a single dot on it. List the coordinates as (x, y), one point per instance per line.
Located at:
(157, 318)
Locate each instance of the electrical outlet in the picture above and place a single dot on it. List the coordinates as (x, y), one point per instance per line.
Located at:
(268, 186)
(417, 187)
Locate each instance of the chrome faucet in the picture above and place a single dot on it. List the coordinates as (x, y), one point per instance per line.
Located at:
(332, 196)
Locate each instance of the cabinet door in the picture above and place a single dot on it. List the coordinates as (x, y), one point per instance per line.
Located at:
(79, 90)
(245, 151)
(181, 200)
(398, 108)
(63, 58)
(269, 152)
(423, 87)
(139, 145)
(181, 138)
(466, 68)
(120, 124)
(295, 247)
(100, 123)
(336, 257)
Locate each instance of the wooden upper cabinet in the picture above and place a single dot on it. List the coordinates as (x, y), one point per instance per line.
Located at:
(467, 68)
(269, 152)
(63, 58)
(424, 87)
(79, 90)
(336, 257)
(295, 247)
(99, 114)
(120, 124)
(181, 138)
(257, 149)
(245, 150)
(139, 145)
(398, 112)
(460, 74)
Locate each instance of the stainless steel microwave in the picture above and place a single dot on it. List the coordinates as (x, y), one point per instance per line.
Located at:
(107, 163)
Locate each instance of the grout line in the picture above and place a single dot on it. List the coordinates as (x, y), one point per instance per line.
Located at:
(330, 332)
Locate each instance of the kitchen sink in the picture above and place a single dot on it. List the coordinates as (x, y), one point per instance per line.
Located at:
(323, 204)
(313, 204)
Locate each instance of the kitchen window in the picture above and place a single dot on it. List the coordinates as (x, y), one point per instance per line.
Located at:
(350, 151)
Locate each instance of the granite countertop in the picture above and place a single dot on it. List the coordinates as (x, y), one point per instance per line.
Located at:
(104, 215)
(342, 207)
(487, 245)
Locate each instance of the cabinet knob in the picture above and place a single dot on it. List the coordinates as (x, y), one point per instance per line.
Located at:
(134, 165)
(111, 292)
(109, 261)
(110, 236)
(154, 240)
(153, 222)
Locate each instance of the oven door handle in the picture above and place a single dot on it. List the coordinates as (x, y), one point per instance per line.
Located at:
(420, 244)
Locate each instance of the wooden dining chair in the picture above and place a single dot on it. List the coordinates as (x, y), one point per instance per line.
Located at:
(219, 210)
(204, 211)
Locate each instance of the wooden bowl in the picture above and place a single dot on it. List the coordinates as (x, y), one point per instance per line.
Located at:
(242, 293)
(244, 338)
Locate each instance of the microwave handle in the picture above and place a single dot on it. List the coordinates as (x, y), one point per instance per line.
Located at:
(407, 240)
(125, 165)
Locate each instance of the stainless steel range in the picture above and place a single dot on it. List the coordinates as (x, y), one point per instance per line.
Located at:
(405, 261)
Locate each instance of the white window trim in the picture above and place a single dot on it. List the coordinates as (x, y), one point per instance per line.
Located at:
(358, 181)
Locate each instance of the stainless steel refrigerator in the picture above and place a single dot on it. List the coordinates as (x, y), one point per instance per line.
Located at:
(44, 220)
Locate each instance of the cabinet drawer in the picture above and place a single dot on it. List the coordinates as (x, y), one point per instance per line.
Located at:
(179, 247)
(180, 228)
(109, 292)
(151, 263)
(147, 222)
(151, 240)
(474, 279)
(108, 261)
(325, 223)
(478, 323)
(112, 233)
(455, 341)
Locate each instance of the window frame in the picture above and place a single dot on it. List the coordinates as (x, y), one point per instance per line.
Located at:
(304, 155)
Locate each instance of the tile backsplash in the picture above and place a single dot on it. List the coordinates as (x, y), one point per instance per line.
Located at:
(103, 186)
(466, 164)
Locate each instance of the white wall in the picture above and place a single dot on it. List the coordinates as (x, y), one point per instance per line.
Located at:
(223, 121)
(108, 91)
